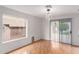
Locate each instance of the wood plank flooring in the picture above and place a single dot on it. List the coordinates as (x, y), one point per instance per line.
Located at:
(47, 47)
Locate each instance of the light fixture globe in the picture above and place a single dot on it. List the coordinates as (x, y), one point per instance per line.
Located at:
(48, 11)
(48, 8)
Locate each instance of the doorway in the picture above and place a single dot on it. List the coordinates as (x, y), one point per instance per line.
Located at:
(61, 30)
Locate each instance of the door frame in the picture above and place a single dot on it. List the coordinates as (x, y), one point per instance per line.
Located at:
(59, 32)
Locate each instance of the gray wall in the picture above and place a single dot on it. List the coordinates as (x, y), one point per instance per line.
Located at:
(34, 29)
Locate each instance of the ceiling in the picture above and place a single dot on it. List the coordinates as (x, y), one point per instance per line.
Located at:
(40, 10)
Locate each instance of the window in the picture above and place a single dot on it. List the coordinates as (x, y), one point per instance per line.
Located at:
(14, 27)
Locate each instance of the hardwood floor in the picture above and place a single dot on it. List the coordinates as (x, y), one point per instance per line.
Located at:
(47, 47)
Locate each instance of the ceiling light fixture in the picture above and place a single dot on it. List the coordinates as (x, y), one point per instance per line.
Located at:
(48, 8)
(48, 11)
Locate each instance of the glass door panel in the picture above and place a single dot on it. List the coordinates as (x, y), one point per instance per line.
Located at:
(55, 31)
(65, 31)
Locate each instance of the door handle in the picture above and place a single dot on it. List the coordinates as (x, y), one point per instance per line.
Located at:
(70, 32)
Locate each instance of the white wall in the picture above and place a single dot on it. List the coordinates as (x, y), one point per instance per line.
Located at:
(45, 29)
(34, 29)
(0, 24)
(75, 27)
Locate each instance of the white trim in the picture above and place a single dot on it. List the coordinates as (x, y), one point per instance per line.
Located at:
(13, 40)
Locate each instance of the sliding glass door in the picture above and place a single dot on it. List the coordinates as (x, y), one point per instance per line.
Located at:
(61, 31)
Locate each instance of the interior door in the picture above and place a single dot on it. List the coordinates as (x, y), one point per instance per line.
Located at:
(65, 31)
